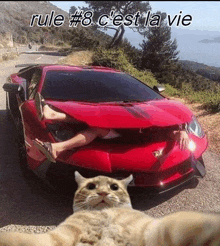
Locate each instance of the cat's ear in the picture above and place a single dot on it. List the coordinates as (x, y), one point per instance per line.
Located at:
(79, 178)
(127, 180)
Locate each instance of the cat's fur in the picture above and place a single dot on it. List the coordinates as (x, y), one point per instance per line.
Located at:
(103, 216)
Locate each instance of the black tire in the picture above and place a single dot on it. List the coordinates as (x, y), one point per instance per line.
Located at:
(8, 112)
(14, 113)
(22, 149)
(12, 108)
(30, 177)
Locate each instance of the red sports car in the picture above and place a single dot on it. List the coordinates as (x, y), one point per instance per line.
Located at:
(102, 97)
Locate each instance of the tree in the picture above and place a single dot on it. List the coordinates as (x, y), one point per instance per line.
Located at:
(72, 10)
(159, 51)
(122, 8)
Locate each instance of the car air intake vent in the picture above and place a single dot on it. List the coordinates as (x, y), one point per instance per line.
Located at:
(64, 131)
(141, 135)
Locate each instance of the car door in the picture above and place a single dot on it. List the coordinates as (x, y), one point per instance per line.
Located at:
(32, 127)
(31, 124)
(33, 83)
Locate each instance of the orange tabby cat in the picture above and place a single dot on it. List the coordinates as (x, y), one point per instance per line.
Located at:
(103, 216)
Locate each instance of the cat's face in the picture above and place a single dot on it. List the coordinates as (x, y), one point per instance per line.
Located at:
(101, 192)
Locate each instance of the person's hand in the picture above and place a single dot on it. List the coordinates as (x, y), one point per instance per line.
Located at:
(181, 137)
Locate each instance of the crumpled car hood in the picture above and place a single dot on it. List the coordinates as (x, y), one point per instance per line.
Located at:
(157, 113)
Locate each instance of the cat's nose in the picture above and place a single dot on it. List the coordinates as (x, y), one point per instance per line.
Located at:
(102, 193)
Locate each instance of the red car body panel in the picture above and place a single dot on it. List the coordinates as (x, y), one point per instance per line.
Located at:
(112, 157)
(160, 113)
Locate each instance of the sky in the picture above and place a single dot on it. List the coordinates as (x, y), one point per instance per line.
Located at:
(205, 14)
(205, 25)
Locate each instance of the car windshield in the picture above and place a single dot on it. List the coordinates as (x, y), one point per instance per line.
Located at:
(93, 86)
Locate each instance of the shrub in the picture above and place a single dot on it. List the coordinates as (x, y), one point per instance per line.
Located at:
(115, 58)
(171, 91)
(9, 56)
(209, 98)
(59, 43)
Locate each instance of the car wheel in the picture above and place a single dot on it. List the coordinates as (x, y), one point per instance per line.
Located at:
(23, 158)
(12, 105)
(22, 149)
(31, 178)
(8, 112)
(14, 113)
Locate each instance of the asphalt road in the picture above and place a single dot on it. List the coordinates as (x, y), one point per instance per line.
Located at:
(26, 202)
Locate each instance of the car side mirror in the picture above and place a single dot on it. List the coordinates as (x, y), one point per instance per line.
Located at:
(14, 89)
(159, 88)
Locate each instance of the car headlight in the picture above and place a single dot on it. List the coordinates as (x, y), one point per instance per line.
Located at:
(191, 146)
(195, 128)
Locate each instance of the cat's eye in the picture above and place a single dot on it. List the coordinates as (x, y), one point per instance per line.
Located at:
(91, 186)
(114, 187)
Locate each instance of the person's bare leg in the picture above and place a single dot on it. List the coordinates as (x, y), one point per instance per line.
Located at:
(81, 139)
(51, 114)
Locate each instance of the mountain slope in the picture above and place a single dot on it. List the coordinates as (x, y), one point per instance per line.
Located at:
(209, 72)
(15, 18)
(17, 14)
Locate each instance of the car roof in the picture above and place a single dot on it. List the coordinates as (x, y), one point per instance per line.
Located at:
(67, 67)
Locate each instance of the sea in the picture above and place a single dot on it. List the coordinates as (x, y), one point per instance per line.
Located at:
(193, 45)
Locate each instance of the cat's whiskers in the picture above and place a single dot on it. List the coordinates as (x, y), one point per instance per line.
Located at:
(80, 206)
(81, 195)
(92, 197)
(114, 200)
